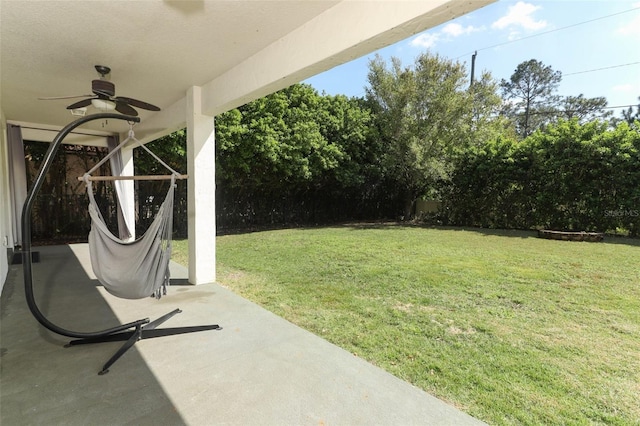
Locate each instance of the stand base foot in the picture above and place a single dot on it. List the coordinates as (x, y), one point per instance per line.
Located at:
(143, 330)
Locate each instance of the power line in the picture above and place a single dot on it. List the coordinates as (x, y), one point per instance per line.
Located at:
(603, 68)
(550, 31)
(573, 111)
(620, 106)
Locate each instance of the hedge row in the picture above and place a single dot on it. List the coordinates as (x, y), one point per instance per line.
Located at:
(567, 177)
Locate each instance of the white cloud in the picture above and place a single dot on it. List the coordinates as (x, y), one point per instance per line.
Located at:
(453, 29)
(520, 15)
(625, 88)
(632, 27)
(429, 40)
(425, 40)
(513, 35)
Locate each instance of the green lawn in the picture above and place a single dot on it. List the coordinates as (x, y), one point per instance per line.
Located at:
(510, 328)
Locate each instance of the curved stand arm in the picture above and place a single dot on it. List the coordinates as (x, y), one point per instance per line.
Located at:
(26, 231)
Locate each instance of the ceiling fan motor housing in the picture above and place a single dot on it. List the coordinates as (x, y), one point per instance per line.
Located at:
(103, 87)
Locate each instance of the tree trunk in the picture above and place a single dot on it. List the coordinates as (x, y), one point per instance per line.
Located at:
(409, 202)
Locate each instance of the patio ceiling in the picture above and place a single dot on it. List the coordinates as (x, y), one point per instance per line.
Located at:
(235, 50)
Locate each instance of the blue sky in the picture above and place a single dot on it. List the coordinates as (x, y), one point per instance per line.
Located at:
(593, 40)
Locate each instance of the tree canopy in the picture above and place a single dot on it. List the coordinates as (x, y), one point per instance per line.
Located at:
(498, 154)
(421, 130)
(292, 139)
(424, 115)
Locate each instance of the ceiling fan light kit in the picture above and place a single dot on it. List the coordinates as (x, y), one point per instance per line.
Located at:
(80, 112)
(103, 104)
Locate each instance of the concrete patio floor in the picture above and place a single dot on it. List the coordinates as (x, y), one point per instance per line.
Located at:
(258, 370)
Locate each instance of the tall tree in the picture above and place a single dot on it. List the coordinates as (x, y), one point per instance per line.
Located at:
(629, 116)
(424, 116)
(584, 109)
(530, 99)
(487, 124)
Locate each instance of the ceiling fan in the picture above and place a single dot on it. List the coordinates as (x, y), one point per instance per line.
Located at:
(104, 97)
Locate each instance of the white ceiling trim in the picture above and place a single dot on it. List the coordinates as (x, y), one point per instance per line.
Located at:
(46, 133)
(323, 43)
(326, 41)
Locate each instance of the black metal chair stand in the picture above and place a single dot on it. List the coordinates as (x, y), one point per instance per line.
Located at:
(131, 332)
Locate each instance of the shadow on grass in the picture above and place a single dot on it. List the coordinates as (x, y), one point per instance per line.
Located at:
(391, 225)
(512, 233)
(619, 239)
(483, 231)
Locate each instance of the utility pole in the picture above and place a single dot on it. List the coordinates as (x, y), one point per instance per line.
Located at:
(473, 67)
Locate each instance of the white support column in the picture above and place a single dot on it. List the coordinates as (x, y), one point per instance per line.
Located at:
(201, 195)
(128, 200)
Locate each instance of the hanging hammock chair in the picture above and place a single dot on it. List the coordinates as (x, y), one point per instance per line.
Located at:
(139, 268)
(128, 269)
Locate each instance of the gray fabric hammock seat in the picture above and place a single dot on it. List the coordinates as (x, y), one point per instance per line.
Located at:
(135, 269)
(132, 269)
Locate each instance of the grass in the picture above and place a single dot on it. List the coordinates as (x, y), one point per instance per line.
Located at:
(509, 328)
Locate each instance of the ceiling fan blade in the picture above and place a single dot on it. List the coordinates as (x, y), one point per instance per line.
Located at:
(138, 104)
(81, 104)
(125, 109)
(53, 98)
